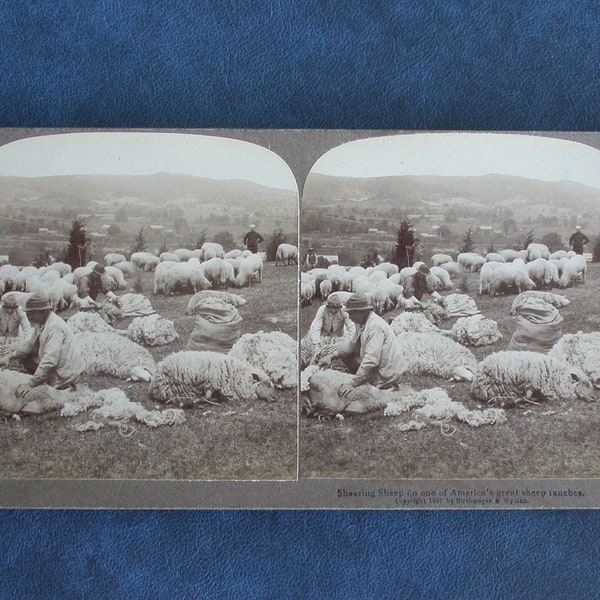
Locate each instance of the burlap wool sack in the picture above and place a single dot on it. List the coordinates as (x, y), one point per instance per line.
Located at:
(538, 327)
(217, 327)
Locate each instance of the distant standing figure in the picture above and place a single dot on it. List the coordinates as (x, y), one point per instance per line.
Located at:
(252, 239)
(311, 258)
(578, 240)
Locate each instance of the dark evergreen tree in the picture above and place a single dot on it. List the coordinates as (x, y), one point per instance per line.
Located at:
(77, 251)
(467, 242)
(528, 239)
(406, 243)
(139, 243)
(277, 237)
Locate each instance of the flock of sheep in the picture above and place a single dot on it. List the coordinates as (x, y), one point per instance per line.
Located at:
(257, 364)
(570, 370)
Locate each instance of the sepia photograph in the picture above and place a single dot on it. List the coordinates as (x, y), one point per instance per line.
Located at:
(148, 309)
(449, 320)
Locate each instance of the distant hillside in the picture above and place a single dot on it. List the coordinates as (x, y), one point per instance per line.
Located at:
(431, 191)
(155, 189)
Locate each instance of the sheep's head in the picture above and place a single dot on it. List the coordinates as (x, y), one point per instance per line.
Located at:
(263, 387)
(462, 374)
(140, 374)
(584, 389)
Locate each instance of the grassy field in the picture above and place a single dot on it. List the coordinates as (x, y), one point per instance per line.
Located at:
(222, 442)
(538, 441)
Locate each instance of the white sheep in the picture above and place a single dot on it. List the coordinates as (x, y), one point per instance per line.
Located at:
(235, 263)
(113, 258)
(440, 259)
(211, 250)
(580, 350)
(387, 267)
(485, 277)
(308, 288)
(494, 257)
(90, 321)
(508, 377)
(435, 354)
(510, 277)
(145, 260)
(325, 289)
(114, 354)
(235, 253)
(182, 254)
(183, 277)
(189, 377)
(127, 268)
(152, 330)
(160, 276)
(286, 254)
(170, 256)
(543, 273)
(251, 269)
(471, 261)
(558, 255)
(319, 274)
(476, 330)
(219, 272)
(509, 255)
(274, 353)
(575, 269)
(453, 268)
(118, 276)
(535, 251)
(61, 267)
(443, 276)
(412, 322)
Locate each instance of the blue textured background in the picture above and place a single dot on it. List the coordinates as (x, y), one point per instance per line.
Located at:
(401, 65)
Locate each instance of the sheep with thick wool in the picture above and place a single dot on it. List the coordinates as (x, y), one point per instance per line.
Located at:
(308, 288)
(494, 257)
(251, 269)
(580, 350)
(510, 277)
(189, 377)
(452, 268)
(471, 261)
(508, 377)
(114, 354)
(219, 272)
(118, 276)
(286, 254)
(574, 270)
(61, 267)
(114, 258)
(212, 250)
(126, 267)
(543, 273)
(145, 261)
(435, 354)
(160, 275)
(274, 353)
(440, 259)
(535, 251)
(443, 276)
(485, 276)
(183, 277)
(170, 256)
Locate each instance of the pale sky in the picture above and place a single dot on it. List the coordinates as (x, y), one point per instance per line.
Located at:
(464, 154)
(132, 153)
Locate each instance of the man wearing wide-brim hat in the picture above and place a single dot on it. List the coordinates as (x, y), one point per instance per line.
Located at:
(50, 353)
(373, 347)
(98, 284)
(331, 322)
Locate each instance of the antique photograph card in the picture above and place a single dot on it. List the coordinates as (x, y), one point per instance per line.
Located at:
(299, 319)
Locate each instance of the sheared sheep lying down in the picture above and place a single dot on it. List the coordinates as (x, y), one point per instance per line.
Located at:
(113, 354)
(189, 377)
(273, 352)
(40, 399)
(321, 399)
(509, 377)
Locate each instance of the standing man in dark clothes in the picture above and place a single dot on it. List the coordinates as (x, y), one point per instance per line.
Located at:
(578, 240)
(252, 239)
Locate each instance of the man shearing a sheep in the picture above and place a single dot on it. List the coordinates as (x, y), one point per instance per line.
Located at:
(50, 353)
(372, 350)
